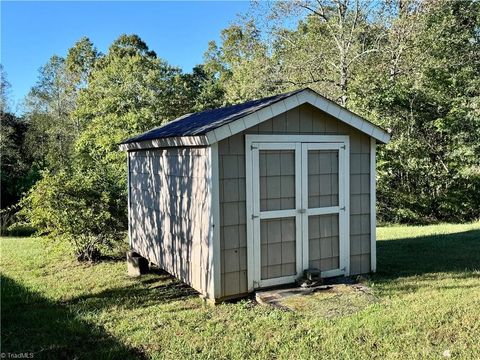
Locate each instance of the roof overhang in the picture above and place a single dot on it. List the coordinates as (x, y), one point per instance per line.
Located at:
(306, 96)
(199, 140)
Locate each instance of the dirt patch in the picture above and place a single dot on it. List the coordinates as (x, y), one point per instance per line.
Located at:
(328, 301)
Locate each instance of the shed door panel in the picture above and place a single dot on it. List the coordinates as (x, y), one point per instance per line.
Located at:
(323, 239)
(277, 192)
(323, 242)
(277, 237)
(324, 193)
(276, 181)
(322, 178)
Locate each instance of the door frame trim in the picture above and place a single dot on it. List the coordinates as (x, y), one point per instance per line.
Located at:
(251, 190)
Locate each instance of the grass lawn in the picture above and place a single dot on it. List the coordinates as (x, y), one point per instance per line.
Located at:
(427, 285)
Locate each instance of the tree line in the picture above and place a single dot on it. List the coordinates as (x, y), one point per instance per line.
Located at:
(409, 66)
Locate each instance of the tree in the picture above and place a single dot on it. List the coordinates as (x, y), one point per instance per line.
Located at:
(51, 102)
(203, 90)
(241, 63)
(328, 45)
(15, 164)
(129, 90)
(427, 93)
(409, 66)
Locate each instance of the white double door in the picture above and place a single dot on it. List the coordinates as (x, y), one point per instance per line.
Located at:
(297, 207)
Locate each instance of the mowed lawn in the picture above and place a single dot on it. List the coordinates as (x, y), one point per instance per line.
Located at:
(427, 285)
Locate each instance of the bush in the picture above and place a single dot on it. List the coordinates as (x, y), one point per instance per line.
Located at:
(8, 216)
(20, 229)
(87, 209)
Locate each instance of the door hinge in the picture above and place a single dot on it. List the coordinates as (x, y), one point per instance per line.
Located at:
(302, 211)
(253, 147)
(255, 216)
(343, 208)
(343, 147)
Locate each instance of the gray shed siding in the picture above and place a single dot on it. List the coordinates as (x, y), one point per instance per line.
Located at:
(304, 119)
(170, 211)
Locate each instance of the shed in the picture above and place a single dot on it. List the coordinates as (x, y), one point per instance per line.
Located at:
(249, 196)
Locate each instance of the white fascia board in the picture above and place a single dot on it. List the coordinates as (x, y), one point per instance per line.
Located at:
(377, 133)
(302, 97)
(306, 96)
(321, 103)
(211, 138)
(278, 108)
(222, 132)
(385, 138)
(334, 109)
(346, 116)
(237, 126)
(367, 128)
(265, 113)
(291, 102)
(200, 140)
(310, 97)
(250, 120)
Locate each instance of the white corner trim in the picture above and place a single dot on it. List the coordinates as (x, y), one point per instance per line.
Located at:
(305, 96)
(346, 226)
(250, 211)
(373, 210)
(129, 204)
(214, 240)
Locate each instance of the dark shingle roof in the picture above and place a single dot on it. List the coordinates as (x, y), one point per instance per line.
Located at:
(202, 122)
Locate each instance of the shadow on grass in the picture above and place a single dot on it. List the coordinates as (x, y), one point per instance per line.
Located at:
(32, 323)
(452, 253)
(149, 291)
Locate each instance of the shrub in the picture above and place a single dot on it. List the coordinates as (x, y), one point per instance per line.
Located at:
(86, 209)
(20, 229)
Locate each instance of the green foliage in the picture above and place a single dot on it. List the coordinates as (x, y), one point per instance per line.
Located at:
(20, 230)
(241, 63)
(410, 67)
(87, 211)
(430, 99)
(52, 129)
(124, 92)
(130, 91)
(16, 175)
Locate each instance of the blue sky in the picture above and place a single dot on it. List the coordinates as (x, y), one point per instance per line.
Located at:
(178, 32)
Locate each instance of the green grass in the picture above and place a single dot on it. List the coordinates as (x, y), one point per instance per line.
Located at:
(427, 285)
